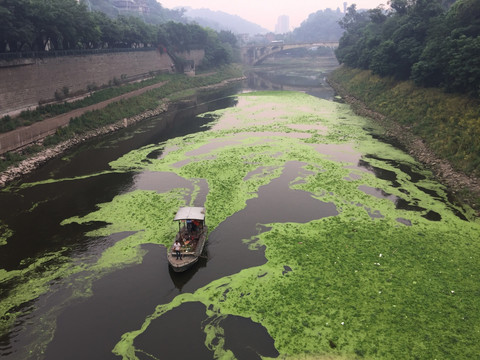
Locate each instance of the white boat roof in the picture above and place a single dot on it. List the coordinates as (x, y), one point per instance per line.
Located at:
(190, 213)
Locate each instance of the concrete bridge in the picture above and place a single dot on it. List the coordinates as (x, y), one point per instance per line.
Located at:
(254, 55)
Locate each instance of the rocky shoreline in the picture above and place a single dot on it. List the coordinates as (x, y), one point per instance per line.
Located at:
(43, 156)
(465, 188)
(36, 160)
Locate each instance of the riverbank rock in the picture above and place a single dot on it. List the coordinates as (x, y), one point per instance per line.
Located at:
(33, 162)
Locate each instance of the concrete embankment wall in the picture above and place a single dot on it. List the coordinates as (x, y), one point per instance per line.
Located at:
(27, 82)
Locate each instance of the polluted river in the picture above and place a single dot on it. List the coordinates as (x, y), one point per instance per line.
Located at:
(325, 240)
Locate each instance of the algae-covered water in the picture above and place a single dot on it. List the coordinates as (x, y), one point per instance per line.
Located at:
(324, 243)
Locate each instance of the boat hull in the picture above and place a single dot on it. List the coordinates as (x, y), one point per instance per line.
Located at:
(188, 258)
(183, 264)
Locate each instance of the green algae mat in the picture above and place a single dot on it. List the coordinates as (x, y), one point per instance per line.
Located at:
(394, 274)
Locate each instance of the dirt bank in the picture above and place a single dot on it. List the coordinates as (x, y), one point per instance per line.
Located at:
(465, 188)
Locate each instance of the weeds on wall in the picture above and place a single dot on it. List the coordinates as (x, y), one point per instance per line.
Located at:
(119, 110)
(114, 112)
(28, 117)
(137, 105)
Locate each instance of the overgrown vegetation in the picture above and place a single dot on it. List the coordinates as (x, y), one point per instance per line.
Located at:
(37, 25)
(449, 123)
(40, 25)
(435, 43)
(319, 26)
(12, 158)
(133, 106)
(28, 117)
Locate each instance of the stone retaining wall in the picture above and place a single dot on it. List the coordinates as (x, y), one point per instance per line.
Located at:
(27, 83)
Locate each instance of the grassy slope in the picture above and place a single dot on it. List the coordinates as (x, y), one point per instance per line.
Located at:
(449, 123)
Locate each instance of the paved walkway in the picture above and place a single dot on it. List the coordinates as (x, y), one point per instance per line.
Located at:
(26, 135)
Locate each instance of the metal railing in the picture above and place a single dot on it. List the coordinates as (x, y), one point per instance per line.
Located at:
(76, 52)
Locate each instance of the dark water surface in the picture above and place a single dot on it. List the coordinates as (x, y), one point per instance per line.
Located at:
(89, 327)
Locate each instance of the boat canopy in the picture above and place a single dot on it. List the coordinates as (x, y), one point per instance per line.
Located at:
(190, 213)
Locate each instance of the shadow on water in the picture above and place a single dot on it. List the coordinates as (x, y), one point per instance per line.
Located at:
(251, 345)
(414, 177)
(91, 328)
(179, 279)
(380, 172)
(400, 203)
(43, 211)
(177, 334)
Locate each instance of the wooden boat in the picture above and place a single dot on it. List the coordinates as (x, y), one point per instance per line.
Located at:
(192, 235)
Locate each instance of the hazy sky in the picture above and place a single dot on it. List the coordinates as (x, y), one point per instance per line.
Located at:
(266, 12)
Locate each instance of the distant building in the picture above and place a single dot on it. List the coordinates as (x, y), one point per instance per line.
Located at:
(345, 7)
(283, 25)
(139, 6)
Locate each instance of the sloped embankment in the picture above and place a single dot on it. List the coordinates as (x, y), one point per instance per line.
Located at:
(119, 114)
(440, 130)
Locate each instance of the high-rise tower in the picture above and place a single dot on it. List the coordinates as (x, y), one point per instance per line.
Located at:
(283, 25)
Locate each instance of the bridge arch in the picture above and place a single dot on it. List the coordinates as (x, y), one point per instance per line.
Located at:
(254, 55)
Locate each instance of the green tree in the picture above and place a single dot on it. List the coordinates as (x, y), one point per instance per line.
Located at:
(353, 20)
(56, 24)
(216, 52)
(319, 26)
(135, 32)
(401, 6)
(448, 59)
(432, 42)
(352, 40)
(227, 37)
(110, 35)
(463, 70)
(16, 29)
(384, 59)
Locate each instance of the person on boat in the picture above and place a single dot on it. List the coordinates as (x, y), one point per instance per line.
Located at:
(195, 225)
(177, 246)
